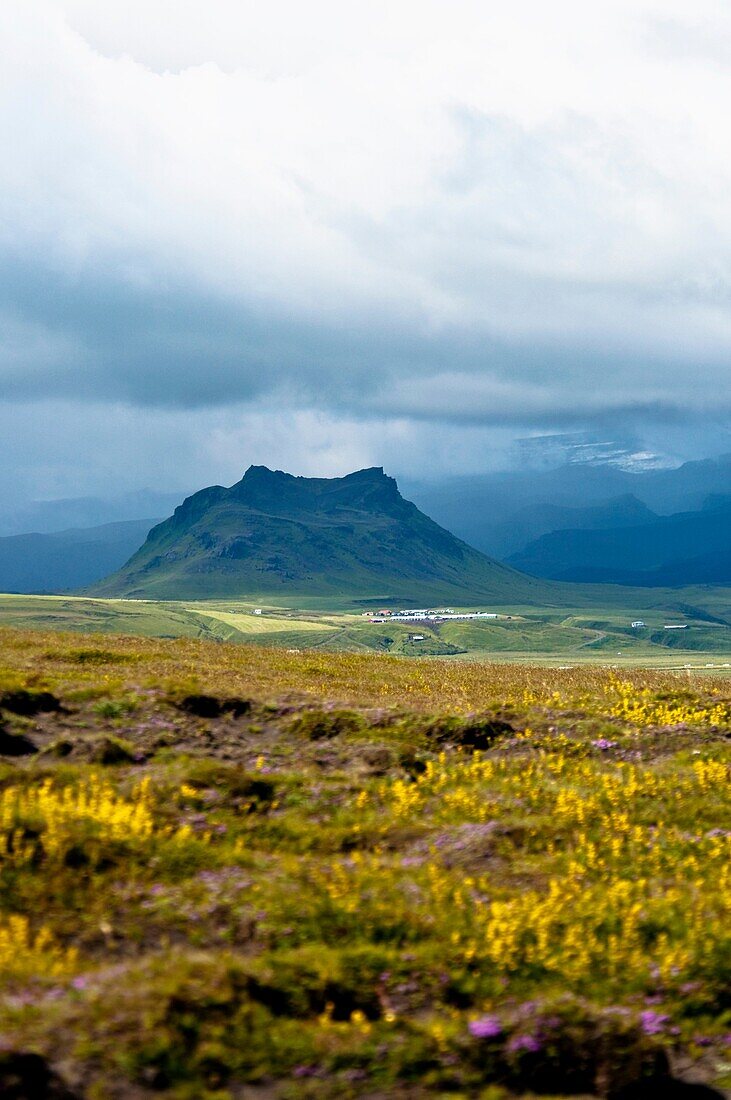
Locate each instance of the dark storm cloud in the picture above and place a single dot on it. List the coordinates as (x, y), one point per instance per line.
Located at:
(93, 337)
(292, 211)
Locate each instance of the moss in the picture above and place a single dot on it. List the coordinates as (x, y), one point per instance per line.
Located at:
(94, 656)
(319, 725)
(116, 708)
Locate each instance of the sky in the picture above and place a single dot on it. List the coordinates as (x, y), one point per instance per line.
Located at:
(328, 235)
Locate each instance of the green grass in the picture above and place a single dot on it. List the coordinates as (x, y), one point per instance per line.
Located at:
(235, 870)
(573, 634)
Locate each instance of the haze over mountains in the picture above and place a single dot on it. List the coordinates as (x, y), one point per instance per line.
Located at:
(272, 532)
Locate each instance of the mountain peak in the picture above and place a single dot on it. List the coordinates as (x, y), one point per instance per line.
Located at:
(272, 531)
(370, 489)
(256, 473)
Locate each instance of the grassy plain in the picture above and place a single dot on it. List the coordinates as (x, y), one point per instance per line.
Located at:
(242, 871)
(573, 633)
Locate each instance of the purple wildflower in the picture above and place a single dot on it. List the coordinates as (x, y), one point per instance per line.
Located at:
(487, 1027)
(653, 1023)
(603, 743)
(528, 1043)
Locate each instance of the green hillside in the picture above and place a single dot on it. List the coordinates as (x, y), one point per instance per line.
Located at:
(273, 532)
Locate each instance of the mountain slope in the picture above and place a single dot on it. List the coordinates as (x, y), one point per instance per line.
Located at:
(272, 532)
(686, 548)
(67, 559)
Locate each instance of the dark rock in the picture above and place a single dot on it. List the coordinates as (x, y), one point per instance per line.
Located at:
(27, 1076)
(110, 750)
(473, 733)
(62, 747)
(208, 706)
(76, 857)
(666, 1088)
(15, 744)
(29, 703)
(236, 707)
(202, 706)
(307, 998)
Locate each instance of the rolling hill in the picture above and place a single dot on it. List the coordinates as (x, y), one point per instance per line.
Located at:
(272, 532)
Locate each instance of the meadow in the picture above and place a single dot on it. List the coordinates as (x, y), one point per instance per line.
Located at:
(239, 871)
(597, 632)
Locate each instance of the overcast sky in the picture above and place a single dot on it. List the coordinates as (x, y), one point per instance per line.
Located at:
(335, 234)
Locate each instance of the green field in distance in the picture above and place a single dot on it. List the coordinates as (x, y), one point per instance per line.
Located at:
(593, 634)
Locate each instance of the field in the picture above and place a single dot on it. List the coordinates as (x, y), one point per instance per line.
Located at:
(575, 633)
(231, 870)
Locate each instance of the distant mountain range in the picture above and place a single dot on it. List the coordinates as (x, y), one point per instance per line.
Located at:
(47, 516)
(685, 548)
(353, 535)
(65, 560)
(500, 512)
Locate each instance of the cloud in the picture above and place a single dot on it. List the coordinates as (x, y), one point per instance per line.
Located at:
(487, 214)
(59, 449)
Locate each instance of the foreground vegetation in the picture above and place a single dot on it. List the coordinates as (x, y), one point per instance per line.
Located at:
(234, 871)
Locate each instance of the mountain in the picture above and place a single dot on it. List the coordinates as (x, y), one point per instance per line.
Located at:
(352, 536)
(531, 522)
(498, 512)
(70, 559)
(47, 516)
(681, 549)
